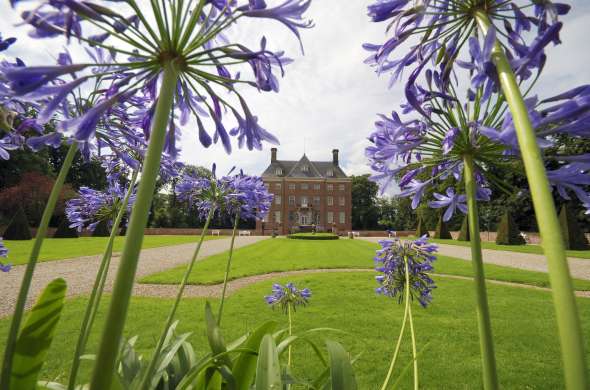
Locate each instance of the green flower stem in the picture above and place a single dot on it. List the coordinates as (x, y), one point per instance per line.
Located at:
(410, 317)
(228, 267)
(33, 258)
(98, 288)
(568, 320)
(189, 269)
(399, 339)
(104, 367)
(290, 318)
(486, 340)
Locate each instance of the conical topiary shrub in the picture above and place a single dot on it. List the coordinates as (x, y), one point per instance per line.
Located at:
(508, 232)
(101, 230)
(464, 232)
(573, 236)
(18, 228)
(421, 229)
(442, 230)
(64, 230)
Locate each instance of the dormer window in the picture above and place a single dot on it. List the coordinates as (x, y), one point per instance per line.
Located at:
(305, 168)
(330, 173)
(279, 171)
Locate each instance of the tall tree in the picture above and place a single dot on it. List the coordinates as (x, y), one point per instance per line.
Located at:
(365, 213)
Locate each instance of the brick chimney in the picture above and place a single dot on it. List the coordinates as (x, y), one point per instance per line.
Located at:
(273, 155)
(335, 157)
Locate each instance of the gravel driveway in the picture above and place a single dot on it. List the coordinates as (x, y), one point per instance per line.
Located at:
(579, 268)
(79, 273)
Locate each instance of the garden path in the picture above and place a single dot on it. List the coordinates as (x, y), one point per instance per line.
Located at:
(214, 290)
(579, 268)
(80, 273)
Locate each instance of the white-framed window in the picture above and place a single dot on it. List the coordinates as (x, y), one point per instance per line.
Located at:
(291, 186)
(265, 219)
(291, 200)
(304, 186)
(304, 201)
(341, 201)
(267, 186)
(277, 217)
(316, 187)
(278, 199)
(330, 217)
(330, 187)
(316, 200)
(305, 168)
(342, 217)
(341, 187)
(330, 200)
(330, 173)
(279, 171)
(278, 186)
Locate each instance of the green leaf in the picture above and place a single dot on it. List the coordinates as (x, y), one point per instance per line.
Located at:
(214, 336)
(341, 371)
(245, 365)
(268, 368)
(36, 336)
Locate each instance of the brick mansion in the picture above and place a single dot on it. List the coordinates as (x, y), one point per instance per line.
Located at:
(306, 194)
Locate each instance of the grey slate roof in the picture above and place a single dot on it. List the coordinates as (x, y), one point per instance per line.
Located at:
(315, 169)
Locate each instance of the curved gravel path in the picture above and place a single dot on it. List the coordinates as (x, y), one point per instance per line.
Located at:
(80, 273)
(579, 268)
(214, 290)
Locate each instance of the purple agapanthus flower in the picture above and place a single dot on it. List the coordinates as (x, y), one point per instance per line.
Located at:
(4, 253)
(6, 43)
(247, 195)
(287, 297)
(451, 201)
(398, 259)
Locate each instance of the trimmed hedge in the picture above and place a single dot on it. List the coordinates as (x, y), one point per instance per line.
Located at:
(311, 236)
(573, 236)
(442, 230)
(464, 232)
(508, 232)
(64, 230)
(101, 230)
(18, 228)
(421, 229)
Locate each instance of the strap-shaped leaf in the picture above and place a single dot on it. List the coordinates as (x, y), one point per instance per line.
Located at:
(341, 372)
(214, 336)
(268, 368)
(245, 365)
(36, 336)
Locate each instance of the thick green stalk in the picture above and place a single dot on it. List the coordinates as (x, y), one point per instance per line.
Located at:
(34, 256)
(290, 318)
(568, 320)
(412, 332)
(228, 267)
(98, 288)
(399, 339)
(104, 367)
(486, 340)
(189, 269)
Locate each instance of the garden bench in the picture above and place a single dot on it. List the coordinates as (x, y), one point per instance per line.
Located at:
(215, 232)
(391, 234)
(244, 232)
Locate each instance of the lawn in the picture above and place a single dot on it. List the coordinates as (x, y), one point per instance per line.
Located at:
(527, 349)
(275, 255)
(536, 249)
(67, 248)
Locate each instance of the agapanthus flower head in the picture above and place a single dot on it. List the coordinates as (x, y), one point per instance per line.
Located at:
(287, 297)
(92, 206)
(397, 260)
(4, 253)
(247, 195)
(131, 46)
(436, 33)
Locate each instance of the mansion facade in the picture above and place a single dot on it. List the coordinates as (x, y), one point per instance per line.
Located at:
(307, 194)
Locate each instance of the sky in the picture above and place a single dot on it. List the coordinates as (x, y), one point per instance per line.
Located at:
(328, 98)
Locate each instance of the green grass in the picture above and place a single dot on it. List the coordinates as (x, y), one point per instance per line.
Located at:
(285, 255)
(313, 236)
(536, 249)
(67, 248)
(523, 323)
